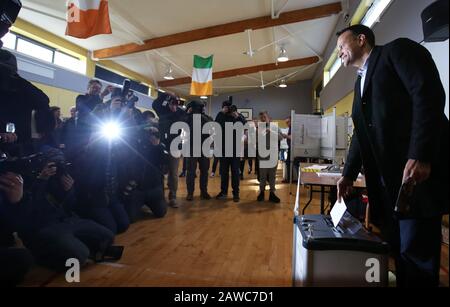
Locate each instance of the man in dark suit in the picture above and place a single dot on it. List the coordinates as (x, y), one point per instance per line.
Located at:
(401, 134)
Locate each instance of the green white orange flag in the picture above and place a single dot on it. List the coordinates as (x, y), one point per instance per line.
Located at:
(202, 76)
(86, 18)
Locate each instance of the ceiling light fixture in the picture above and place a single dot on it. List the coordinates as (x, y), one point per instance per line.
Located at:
(168, 75)
(283, 84)
(203, 97)
(283, 57)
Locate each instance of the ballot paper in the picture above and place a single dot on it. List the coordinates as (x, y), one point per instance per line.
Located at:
(338, 212)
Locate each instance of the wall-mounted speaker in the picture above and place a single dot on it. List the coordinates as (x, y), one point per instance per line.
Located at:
(435, 21)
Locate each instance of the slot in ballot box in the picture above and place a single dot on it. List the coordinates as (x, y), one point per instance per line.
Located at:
(343, 256)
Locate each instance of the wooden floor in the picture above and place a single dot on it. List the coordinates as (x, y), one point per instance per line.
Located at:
(204, 243)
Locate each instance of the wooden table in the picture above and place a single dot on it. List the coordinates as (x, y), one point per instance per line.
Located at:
(313, 179)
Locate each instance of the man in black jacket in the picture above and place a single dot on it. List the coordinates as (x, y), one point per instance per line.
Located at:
(169, 112)
(94, 96)
(18, 96)
(229, 114)
(401, 135)
(195, 110)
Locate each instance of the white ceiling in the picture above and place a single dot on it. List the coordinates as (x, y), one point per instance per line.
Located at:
(133, 21)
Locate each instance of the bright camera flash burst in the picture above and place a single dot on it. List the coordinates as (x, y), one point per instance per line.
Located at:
(111, 130)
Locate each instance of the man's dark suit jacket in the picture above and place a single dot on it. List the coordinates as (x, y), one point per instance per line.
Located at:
(400, 116)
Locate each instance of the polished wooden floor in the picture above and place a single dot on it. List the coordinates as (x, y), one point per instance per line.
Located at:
(204, 243)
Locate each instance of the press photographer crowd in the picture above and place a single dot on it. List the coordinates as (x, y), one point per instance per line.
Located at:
(68, 187)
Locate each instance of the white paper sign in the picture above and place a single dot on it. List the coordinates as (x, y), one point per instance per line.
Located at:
(338, 211)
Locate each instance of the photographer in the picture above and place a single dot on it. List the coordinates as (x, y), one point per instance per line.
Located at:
(196, 108)
(169, 112)
(150, 190)
(229, 114)
(54, 234)
(14, 262)
(99, 192)
(94, 96)
(19, 97)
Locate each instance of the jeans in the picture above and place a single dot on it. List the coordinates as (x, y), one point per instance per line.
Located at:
(153, 198)
(72, 238)
(173, 177)
(203, 164)
(112, 215)
(225, 165)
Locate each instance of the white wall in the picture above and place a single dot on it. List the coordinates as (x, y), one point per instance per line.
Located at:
(440, 52)
(402, 19)
(277, 101)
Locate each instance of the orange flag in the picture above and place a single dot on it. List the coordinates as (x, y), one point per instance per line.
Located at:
(86, 18)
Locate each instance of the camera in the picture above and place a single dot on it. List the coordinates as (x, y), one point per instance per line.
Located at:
(57, 157)
(29, 166)
(129, 98)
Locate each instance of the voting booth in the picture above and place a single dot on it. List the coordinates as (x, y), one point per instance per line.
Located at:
(319, 137)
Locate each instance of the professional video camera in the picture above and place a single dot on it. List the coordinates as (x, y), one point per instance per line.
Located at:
(129, 98)
(29, 166)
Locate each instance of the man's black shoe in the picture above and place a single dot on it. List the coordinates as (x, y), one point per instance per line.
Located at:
(205, 196)
(273, 198)
(221, 196)
(112, 253)
(261, 196)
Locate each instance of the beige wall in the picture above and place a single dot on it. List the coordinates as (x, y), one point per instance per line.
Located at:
(59, 97)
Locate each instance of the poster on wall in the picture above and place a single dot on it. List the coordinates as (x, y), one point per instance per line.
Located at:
(247, 113)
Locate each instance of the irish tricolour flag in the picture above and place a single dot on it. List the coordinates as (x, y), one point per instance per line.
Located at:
(86, 18)
(202, 76)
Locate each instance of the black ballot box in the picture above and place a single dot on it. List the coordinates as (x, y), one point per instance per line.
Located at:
(343, 256)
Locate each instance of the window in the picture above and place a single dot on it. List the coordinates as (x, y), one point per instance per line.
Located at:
(69, 62)
(335, 67)
(110, 76)
(34, 50)
(9, 41)
(373, 13)
(42, 52)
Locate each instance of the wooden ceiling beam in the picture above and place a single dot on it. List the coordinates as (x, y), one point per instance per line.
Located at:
(245, 71)
(221, 30)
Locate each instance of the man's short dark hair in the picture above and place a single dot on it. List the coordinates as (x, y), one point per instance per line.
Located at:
(92, 81)
(358, 30)
(226, 103)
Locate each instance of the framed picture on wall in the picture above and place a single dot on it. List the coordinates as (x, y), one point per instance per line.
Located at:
(247, 113)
